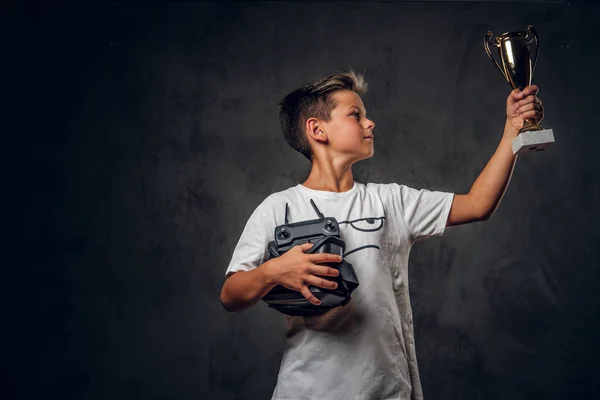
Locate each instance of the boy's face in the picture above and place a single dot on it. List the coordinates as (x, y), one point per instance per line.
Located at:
(349, 132)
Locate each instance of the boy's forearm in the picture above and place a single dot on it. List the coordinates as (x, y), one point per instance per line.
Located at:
(491, 184)
(245, 288)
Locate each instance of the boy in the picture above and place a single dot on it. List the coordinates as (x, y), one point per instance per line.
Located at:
(366, 349)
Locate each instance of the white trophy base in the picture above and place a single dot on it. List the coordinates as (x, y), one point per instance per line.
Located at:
(532, 141)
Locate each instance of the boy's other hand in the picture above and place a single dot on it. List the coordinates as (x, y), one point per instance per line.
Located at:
(297, 270)
(524, 105)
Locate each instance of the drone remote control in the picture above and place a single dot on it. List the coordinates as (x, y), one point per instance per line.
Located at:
(324, 234)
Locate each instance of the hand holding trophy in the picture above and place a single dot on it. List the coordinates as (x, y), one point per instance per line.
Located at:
(517, 68)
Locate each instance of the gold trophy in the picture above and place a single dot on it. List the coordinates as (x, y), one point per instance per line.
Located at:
(517, 67)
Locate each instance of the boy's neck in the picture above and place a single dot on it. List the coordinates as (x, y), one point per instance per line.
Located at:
(329, 178)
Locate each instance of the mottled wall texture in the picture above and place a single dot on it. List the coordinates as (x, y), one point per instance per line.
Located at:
(150, 134)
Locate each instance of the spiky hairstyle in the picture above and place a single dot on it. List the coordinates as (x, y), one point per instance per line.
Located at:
(314, 100)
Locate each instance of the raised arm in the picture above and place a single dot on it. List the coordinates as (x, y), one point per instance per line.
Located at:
(488, 189)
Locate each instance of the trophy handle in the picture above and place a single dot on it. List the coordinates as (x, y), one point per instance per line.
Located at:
(486, 44)
(530, 37)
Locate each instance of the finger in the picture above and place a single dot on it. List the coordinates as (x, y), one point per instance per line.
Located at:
(536, 115)
(323, 271)
(305, 247)
(526, 100)
(325, 257)
(533, 89)
(320, 282)
(309, 296)
(525, 107)
(515, 96)
(529, 107)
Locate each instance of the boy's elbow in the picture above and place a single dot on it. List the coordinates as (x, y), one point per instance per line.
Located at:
(487, 213)
(225, 301)
(236, 295)
(482, 212)
(485, 216)
(225, 305)
(224, 298)
(228, 299)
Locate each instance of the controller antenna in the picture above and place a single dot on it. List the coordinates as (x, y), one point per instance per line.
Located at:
(316, 209)
(286, 214)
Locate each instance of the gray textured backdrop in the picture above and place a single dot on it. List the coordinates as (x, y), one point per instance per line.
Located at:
(151, 134)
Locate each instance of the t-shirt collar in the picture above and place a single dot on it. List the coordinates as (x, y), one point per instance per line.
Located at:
(324, 194)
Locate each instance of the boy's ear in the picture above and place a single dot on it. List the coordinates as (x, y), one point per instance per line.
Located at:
(314, 130)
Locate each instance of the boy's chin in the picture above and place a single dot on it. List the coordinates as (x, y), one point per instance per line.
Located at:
(365, 157)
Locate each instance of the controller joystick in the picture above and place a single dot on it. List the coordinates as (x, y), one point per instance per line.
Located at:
(330, 225)
(283, 234)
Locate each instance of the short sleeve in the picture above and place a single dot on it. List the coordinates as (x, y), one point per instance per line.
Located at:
(425, 212)
(251, 249)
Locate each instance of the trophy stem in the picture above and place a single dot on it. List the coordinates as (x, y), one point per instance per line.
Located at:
(529, 126)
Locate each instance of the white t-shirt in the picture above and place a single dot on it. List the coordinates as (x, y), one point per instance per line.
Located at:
(364, 350)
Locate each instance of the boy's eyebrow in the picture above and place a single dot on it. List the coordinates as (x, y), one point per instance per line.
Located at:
(357, 107)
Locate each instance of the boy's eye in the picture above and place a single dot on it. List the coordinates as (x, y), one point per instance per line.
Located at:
(356, 115)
